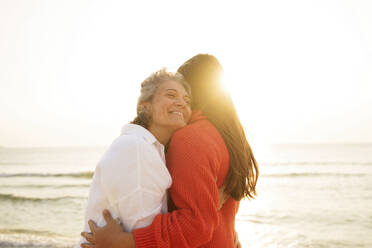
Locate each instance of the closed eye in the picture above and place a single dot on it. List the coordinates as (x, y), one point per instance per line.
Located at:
(171, 95)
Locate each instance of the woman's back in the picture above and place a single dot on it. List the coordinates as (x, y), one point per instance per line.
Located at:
(198, 161)
(213, 155)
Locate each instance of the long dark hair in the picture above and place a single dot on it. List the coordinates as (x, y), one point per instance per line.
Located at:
(203, 73)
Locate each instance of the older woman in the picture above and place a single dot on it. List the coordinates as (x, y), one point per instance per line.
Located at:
(131, 180)
(209, 152)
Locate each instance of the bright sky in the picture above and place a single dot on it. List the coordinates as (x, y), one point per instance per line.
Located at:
(298, 71)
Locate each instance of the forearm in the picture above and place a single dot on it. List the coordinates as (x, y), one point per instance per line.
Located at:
(177, 229)
(192, 225)
(109, 236)
(124, 240)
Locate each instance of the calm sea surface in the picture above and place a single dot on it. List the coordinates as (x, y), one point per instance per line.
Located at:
(309, 196)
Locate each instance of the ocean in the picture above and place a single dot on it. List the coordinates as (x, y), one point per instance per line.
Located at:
(308, 196)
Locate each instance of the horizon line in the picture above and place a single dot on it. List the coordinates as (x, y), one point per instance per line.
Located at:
(269, 144)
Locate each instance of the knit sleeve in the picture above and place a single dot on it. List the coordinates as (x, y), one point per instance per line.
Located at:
(194, 192)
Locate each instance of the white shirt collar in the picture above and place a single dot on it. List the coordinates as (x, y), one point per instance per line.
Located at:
(139, 131)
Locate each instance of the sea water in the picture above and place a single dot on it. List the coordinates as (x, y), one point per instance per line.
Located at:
(308, 196)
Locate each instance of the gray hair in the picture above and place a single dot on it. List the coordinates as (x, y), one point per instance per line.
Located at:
(148, 89)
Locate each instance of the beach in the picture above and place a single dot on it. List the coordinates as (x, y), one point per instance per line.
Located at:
(308, 196)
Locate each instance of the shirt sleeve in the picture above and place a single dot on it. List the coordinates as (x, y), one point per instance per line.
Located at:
(135, 180)
(194, 192)
(96, 203)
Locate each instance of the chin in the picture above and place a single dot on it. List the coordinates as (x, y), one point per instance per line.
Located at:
(179, 125)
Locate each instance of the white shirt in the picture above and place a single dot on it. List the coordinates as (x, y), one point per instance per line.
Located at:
(131, 181)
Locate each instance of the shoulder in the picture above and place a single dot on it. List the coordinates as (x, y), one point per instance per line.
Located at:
(199, 134)
(202, 127)
(129, 143)
(123, 149)
(199, 141)
(129, 148)
(127, 156)
(123, 144)
(124, 140)
(194, 146)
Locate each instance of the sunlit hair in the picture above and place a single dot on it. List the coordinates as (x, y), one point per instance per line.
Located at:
(149, 88)
(203, 73)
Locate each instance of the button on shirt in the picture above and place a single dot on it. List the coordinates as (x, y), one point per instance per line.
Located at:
(131, 181)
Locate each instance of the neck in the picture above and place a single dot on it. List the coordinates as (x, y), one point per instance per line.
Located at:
(163, 135)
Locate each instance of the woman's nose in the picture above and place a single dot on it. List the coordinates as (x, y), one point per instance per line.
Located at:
(181, 102)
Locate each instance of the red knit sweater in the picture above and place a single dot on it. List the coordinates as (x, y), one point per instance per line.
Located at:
(198, 161)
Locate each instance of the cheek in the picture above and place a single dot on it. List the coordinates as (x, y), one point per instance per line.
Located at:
(189, 112)
(165, 105)
(159, 110)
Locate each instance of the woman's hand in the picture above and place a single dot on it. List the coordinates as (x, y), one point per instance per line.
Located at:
(109, 236)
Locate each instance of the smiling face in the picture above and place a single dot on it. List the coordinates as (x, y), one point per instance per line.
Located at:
(170, 108)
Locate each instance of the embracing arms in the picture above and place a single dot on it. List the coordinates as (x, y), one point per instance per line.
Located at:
(131, 181)
(194, 168)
